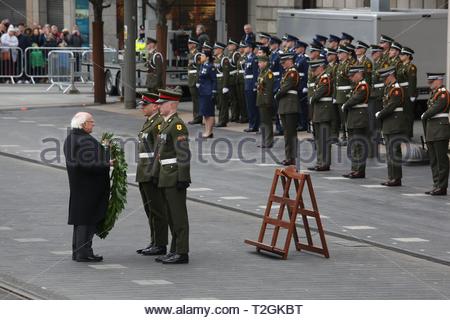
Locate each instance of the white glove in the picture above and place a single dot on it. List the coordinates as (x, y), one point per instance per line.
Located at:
(421, 117)
(377, 115)
(225, 90)
(214, 91)
(412, 99)
(254, 90)
(305, 90)
(197, 85)
(334, 100)
(343, 107)
(310, 100)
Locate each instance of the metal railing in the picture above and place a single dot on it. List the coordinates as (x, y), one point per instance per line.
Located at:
(11, 63)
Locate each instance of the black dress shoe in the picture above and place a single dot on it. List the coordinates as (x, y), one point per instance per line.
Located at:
(357, 175)
(392, 183)
(323, 168)
(287, 162)
(265, 146)
(429, 192)
(313, 168)
(161, 258)
(439, 192)
(154, 251)
(177, 259)
(250, 130)
(195, 122)
(234, 120)
(93, 258)
(148, 247)
(220, 125)
(348, 175)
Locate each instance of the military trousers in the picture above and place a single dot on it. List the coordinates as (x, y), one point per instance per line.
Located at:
(437, 151)
(195, 104)
(336, 122)
(155, 211)
(343, 121)
(278, 125)
(410, 112)
(393, 144)
(289, 122)
(375, 104)
(358, 148)
(241, 104)
(252, 109)
(82, 240)
(303, 112)
(233, 103)
(266, 125)
(322, 139)
(177, 216)
(223, 106)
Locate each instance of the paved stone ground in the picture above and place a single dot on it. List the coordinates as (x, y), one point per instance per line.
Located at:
(35, 241)
(403, 218)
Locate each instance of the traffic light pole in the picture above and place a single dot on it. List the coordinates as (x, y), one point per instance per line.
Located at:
(129, 70)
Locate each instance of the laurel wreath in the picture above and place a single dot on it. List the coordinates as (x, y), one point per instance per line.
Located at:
(119, 187)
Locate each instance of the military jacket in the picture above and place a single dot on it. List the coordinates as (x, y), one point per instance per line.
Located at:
(357, 107)
(378, 83)
(276, 68)
(368, 67)
(222, 65)
(435, 118)
(322, 99)
(287, 96)
(394, 62)
(407, 78)
(392, 115)
(343, 85)
(207, 79)
(155, 69)
(264, 90)
(192, 68)
(172, 155)
(311, 83)
(147, 140)
(251, 72)
(301, 64)
(233, 58)
(241, 70)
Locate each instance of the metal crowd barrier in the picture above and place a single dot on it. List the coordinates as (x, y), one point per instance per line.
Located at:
(11, 63)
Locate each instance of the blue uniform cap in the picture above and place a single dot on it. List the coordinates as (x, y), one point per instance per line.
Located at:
(275, 40)
(290, 37)
(333, 38)
(320, 37)
(300, 43)
(346, 36)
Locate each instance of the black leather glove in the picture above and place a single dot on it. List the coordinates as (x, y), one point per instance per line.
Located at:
(182, 185)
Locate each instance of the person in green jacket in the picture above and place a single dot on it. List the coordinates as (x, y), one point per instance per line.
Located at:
(437, 132)
(172, 171)
(264, 100)
(407, 78)
(356, 108)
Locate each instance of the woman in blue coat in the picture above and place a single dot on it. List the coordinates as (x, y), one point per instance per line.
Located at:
(206, 85)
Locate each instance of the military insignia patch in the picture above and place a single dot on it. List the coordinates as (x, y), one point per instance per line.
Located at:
(270, 75)
(179, 127)
(159, 127)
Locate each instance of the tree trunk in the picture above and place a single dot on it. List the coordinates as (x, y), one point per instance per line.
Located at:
(98, 62)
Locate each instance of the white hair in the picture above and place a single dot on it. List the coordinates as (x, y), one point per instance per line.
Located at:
(79, 119)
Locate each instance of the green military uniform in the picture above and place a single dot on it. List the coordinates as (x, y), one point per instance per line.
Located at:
(193, 67)
(331, 70)
(240, 89)
(311, 84)
(222, 64)
(393, 62)
(407, 78)
(234, 58)
(393, 127)
(288, 102)
(437, 134)
(150, 194)
(264, 101)
(342, 88)
(323, 115)
(154, 72)
(358, 124)
(368, 66)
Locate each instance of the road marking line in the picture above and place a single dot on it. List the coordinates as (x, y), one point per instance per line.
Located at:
(9, 118)
(151, 282)
(45, 125)
(415, 195)
(335, 178)
(234, 198)
(235, 159)
(268, 165)
(359, 227)
(9, 145)
(410, 239)
(29, 151)
(27, 121)
(61, 253)
(5, 228)
(199, 189)
(373, 186)
(107, 266)
(65, 129)
(23, 240)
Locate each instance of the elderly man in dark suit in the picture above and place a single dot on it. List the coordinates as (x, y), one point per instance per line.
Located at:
(87, 163)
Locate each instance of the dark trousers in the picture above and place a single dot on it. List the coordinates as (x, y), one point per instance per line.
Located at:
(155, 211)
(175, 202)
(241, 103)
(394, 155)
(322, 135)
(303, 111)
(437, 150)
(195, 106)
(375, 105)
(82, 241)
(252, 110)
(358, 149)
(343, 116)
(289, 122)
(233, 102)
(336, 122)
(278, 125)
(223, 106)
(266, 125)
(410, 112)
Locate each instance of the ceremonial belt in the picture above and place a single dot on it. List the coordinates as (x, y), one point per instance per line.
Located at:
(276, 74)
(378, 85)
(398, 109)
(362, 105)
(192, 71)
(440, 115)
(404, 84)
(325, 99)
(310, 85)
(301, 74)
(341, 88)
(145, 155)
(168, 161)
(233, 72)
(241, 71)
(219, 75)
(292, 92)
(248, 76)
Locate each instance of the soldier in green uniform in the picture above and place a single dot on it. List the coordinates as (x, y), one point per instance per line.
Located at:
(314, 54)
(362, 60)
(287, 97)
(342, 87)
(222, 64)
(150, 194)
(437, 132)
(331, 70)
(240, 84)
(322, 103)
(376, 98)
(385, 44)
(394, 52)
(407, 78)
(155, 66)
(233, 57)
(172, 170)
(264, 100)
(393, 125)
(358, 122)
(193, 55)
